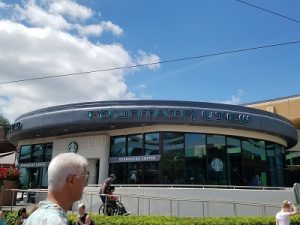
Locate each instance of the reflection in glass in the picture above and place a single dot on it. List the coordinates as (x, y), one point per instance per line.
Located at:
(152, 144)
(37, 153)
(119, 169)
(254, 162)
(118, 146)
(173, 158)
(151, 173)
(48, 152)
(135, 145)
(25, 154)
(195, 158)
(234, 168)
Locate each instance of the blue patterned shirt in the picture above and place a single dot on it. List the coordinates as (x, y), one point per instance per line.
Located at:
(48, 213)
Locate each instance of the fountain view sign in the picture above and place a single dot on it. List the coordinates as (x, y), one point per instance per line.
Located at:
(169, 113)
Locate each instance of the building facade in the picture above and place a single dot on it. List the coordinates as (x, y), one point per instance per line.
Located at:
(158, 142)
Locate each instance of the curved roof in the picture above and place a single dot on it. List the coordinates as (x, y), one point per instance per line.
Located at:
(107, 115)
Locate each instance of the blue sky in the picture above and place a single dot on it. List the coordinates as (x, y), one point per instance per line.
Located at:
(128, 32)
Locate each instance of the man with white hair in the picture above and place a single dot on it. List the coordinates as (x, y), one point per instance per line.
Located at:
(67, 177)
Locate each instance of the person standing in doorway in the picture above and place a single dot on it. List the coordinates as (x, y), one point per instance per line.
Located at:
(288, 209)
(105, 187)
(67, 177)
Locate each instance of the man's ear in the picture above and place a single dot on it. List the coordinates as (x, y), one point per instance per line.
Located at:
(71, 179)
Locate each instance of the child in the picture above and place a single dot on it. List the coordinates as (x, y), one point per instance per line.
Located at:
(22, 214)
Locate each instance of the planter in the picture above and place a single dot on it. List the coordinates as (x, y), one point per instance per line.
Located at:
(6, 195)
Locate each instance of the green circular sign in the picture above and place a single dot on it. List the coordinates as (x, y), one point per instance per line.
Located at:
(73, 147)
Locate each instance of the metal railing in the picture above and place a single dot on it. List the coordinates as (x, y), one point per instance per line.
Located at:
(173, 207)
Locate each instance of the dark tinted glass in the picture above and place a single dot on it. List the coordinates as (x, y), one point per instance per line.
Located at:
(25, 154)
(152, 144)
(135, 145)
(118, 147)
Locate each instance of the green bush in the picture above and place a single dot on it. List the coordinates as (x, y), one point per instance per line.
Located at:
(11, 218)
(171, 220)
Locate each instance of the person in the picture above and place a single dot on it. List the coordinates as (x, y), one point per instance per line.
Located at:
(2, 218)
(83, 218)
(114, 200)
(288, 209)
(105, 187)
(67, 177)
(22, 216)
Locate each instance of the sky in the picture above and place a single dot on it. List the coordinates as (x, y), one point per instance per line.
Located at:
(41, 38)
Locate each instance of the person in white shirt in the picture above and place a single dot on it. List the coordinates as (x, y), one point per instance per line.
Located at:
(288, 209)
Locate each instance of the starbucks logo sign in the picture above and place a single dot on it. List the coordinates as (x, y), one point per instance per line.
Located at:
(73, 147)
(217, 164)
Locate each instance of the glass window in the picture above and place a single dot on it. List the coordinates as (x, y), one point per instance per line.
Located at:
(254, 149)
(152, 144)
(134, 173)
(25, 154)
(119, 169)
(151, 173)
(135, 145)
(216, 157)
(195, 158)
(234, 168)
(37, 153)
(255, 166)
(48, 152)
(173, 158)
(118, 147)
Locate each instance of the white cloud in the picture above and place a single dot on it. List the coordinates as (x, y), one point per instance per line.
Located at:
(144, 58)
(235, 99)
(98, 29)
(39, 42)
(37, 16)
(70, 8)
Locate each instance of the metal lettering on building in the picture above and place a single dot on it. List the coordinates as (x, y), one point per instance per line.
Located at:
(170, 113)
(144, 158)
(32, 165)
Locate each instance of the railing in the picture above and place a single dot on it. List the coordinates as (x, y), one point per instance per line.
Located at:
(173, 207)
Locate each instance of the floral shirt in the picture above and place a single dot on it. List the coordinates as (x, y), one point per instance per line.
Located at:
(48, 213)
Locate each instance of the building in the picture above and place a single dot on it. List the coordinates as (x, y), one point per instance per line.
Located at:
(289, 107)
(157, 142)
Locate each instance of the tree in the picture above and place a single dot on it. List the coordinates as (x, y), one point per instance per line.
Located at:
(4, 122)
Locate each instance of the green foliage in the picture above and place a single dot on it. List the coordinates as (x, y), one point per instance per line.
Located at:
(11, 218)
(171, 220)
(4, 122)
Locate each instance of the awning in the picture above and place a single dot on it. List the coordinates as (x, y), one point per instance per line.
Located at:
(7, 158)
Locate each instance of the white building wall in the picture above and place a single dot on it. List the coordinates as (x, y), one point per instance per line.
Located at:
(94, 148)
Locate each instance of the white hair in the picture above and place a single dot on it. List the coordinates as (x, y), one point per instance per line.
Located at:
(63, 165)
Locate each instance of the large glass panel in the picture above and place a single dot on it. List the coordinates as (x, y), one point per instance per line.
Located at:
(37, 153)
(151, 173)
(235, 174)
(195, 158)
(25, 154)
(48, 152)
(135, 145)
(134, 173)
(173, 158)
(216, 157)
(254, 162)
(119, 169)
(152, 144)
(118, 147)
(44, 182)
